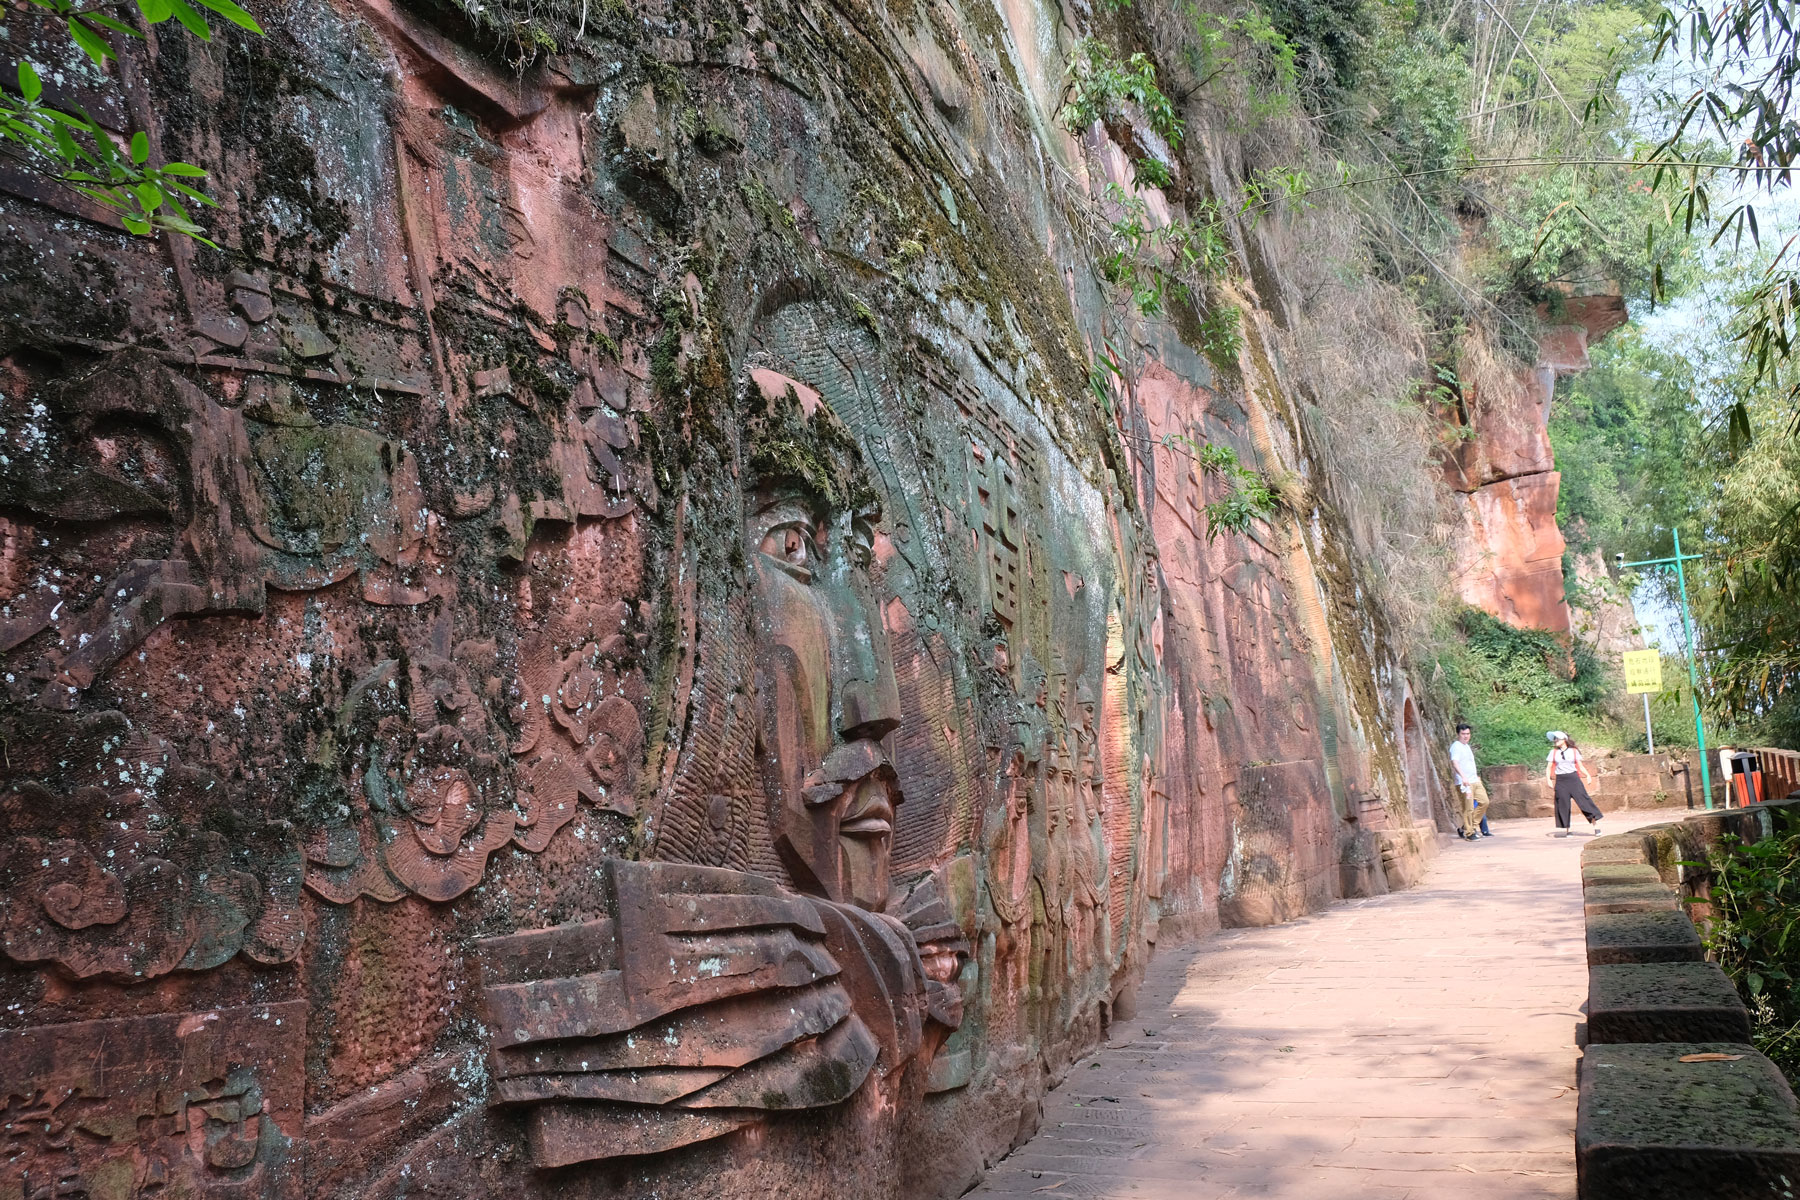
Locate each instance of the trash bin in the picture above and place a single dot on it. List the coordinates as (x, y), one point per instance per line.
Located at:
(1746, 777)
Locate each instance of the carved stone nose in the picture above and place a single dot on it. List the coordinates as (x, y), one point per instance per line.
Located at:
(870, 708)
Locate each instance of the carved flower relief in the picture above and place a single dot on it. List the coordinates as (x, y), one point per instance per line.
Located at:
(441, 851)
(413, 821)
(108, 885)
(432, 801)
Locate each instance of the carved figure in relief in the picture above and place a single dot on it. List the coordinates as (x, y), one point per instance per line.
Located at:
(706, 999)
(1071, 783)
(825, 681)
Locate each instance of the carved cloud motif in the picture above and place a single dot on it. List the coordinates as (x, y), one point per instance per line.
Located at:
(144, 872)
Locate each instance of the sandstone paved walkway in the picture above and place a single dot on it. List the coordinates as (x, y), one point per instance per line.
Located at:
(1418, 1046)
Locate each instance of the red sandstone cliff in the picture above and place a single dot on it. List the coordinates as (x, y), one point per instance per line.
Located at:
(1509, 556)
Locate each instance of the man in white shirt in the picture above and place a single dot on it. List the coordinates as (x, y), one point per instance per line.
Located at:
(1471, 794)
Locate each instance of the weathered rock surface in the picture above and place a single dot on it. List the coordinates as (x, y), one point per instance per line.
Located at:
(601, 643)
(1664, 1002)
(1509, 554)
(1651, 1127)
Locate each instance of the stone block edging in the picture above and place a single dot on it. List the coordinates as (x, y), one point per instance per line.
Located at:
(1649, 1126)
(1641, 937)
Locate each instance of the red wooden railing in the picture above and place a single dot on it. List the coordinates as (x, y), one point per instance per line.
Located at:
(1780, 772)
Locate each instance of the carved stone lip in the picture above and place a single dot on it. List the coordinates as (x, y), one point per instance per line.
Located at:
(871, 811)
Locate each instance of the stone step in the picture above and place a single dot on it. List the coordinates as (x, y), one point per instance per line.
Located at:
(1641, 937)
(1629, 897)
(1664, 1002)
(1650, 1127)
(1617, 874)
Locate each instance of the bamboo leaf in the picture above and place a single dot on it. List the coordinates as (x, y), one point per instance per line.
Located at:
(30, 86)
(234, 14)
(192, 21)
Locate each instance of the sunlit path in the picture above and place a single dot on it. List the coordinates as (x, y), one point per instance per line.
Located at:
(1415, 1045)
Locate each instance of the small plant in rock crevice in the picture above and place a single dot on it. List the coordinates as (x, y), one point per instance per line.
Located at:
(1249, 496)
(1101, 83)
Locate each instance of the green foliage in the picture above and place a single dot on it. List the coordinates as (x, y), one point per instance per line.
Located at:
(1513, 685)
(1330, 41)
(1222, 336)
(1629, 448)
(70, 148)
(1751, 615)
(75, 151)
(1590, 48)
(1572, 223)
(1100, 84)
(1420, 108)
(1249, 496)
(523, 31)
(1750, 54)
(1150, 172)
(1158, 263)
(1246, 49)
(1755, 934)
(89, 24)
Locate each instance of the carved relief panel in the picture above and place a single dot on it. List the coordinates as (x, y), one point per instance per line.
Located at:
(201, 1104)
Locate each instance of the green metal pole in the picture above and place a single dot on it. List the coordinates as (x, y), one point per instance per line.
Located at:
(1687, 629)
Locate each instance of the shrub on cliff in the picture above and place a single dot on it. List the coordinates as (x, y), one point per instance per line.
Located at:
(1514, 684)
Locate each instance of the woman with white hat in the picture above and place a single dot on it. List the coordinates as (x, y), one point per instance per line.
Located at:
(1564, 771)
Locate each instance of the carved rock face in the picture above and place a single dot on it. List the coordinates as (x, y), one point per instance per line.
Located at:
(826, 679)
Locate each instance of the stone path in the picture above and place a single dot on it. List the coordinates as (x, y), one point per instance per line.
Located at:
(1419, 1045)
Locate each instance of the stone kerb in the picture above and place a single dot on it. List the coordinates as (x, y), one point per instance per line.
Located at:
(1723, 1125)
(1629, 898)
(1612, 874)
(1674, 1101)
(1641, 937)
(1681, 851)
(1664, 1002)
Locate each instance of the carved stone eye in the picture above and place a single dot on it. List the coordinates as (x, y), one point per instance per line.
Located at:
(791, 545)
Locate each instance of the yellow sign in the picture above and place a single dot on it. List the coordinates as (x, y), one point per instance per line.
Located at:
(1643, 671)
